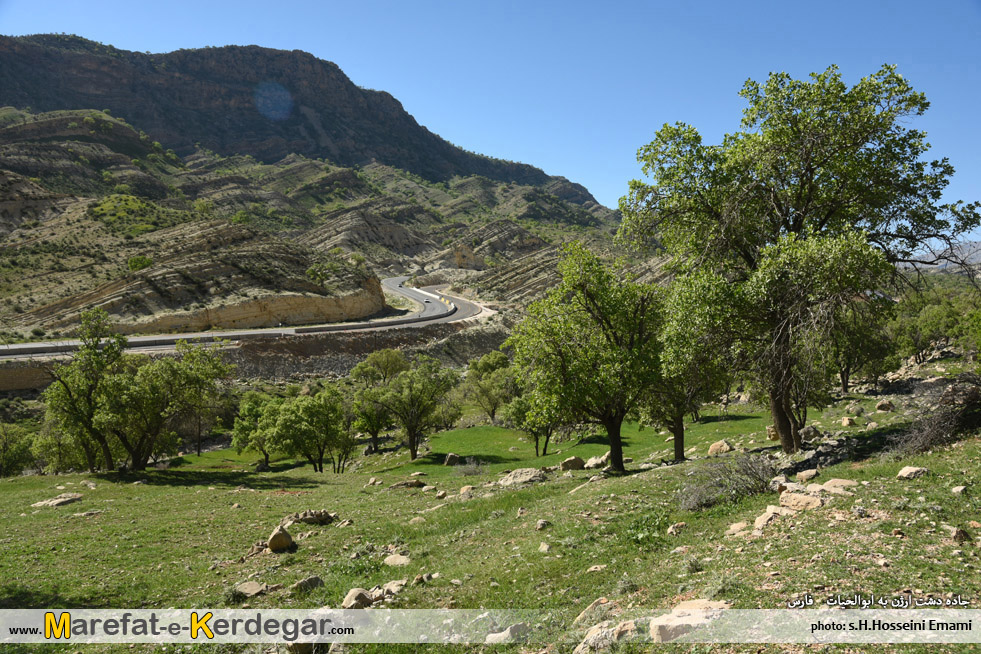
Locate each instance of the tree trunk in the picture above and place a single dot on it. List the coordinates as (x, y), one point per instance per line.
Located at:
(782, 420)
(613, 425)
(548, 435)
(413, 444)
(844, 375)
(677, 428)
(107, 455)
(374, 442)
(537, 437)
(199, 435)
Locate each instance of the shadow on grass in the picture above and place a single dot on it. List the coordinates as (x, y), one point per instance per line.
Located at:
(17, 596)
(212, 477)
(704, 420)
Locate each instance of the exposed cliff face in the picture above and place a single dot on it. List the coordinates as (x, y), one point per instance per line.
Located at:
(238, 100)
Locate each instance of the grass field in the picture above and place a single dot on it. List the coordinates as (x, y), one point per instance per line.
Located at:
(173, 537)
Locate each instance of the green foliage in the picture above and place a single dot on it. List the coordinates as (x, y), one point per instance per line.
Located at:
(139, 262)
(491, 382)
(129, 215)
(254, 428)
(591, 345)
(800, 211)
(370, 415)
(15, 449)
(314, 428)
(380, 367)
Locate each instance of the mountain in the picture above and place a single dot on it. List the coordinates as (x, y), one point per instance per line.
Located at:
(246, 100)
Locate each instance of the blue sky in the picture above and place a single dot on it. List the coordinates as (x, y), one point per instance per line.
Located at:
(576, 87)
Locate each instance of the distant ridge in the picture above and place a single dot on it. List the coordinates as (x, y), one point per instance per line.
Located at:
(213, 96)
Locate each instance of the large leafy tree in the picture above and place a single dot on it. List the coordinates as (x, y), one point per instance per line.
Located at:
(415, 400)
(818, 167)
(72, 401)
(490, 382)
(255, 426)
(315, 428)
(592, 345)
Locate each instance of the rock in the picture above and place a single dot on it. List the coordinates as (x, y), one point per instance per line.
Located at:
(855, 409)
(834, 490)
(884, 406)
(544, 548)
(597, 462)
(309, 517)
(720, 447)
(410, 483)
(451, 459)
(541, 524)
(596, 568)
(736, 527)
(676, 528)
(466, 490)
(280, 540)
(440, 495)
(428, 489)
(777, 482)
(397, 560)
(683, 618)
(357, 598)
(959, 535)
(764, 520)
(513, 634)
(599, 607)
(800, 501)
(236, 506)
(872, 425)
(911, 472)
(958, 490)
(88, 484)
(393, 588)
(771, 433)
(61, 500)
(418, 520)
(523, 476)
(572, 463)
(840, 483)
(251, 588)
(848, 421)
(371, 481)
(807, 475)
(308, 584)
(809, 433)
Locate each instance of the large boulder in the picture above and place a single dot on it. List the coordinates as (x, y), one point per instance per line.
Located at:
(684, 618)
(884, 406)
(800, 501)
(397, 560)
(720, 447)
(572, 463)
(523, 476)
(357, 598)
(809, 433)
(280, 540)
(597, 462)
(61, 500)
(911, 472)
(451, 459)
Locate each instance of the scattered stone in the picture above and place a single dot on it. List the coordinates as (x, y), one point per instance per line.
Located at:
(87, 514)
(451, 459)
(685, 617)
(807, 475)
(676, 528)
(280, 540)
(418, 520)
(371, 481)
(345, 523)
(911, 472)
(428, 489)
(417, 474)
(440, 494)
(306, 585)
(599, 607)
(809, 433)
(884, 406)
(596, 568)
(736, 527)
(720, 447)
(422, 579)
(523, 476)
(771, 433)
(541, 524)
(357, 598)
(855, 409)
(544, 548)
(572, 463)
(848, 421)
(397, 560)
(236, 506)
(410, 483)
(309, 517)
(393, 588)
(251, 588)
(88, 484)
(840, 483)
(597, 462)
(61, 500)
(513, 634)
(872, 425)
(800, 501)
(959, 535)
(958, 490)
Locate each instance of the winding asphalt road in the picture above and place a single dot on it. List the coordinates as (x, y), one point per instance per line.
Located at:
(436, 307)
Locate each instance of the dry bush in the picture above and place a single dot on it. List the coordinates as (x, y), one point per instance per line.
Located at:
(726, 481)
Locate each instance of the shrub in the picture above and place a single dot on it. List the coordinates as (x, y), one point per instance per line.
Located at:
(471, 468)
(726, 481)
(139, 262)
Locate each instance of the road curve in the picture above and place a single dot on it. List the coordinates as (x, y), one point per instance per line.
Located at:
(436, 307)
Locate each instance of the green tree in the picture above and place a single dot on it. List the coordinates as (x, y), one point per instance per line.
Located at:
(859, 340)
(817, 166)
(370, 415)
(537, 415)
(72, 401)
(201, 370)
(254, 428)
(380, 367)
(490, 382)
(314, 427)
(591, 344)
(15, 449)
(415, 399)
